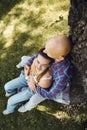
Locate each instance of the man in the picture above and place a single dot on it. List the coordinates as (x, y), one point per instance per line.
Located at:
(57, 48)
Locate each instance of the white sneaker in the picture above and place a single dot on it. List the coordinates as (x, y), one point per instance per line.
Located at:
(6, 112)
(22, 109)
(9, 94)
(23, 61)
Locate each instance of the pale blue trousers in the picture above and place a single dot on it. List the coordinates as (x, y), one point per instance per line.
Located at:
(24, 95)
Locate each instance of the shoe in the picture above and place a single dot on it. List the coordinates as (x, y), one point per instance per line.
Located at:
(9, 94)
(22, 109)
(19, 65)
(6, 112)
(23, 61)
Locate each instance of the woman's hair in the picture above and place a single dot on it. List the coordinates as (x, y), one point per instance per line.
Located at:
(48, 58)
(45, 55)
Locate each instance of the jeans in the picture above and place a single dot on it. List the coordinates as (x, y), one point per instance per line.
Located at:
(36, 99)
(24, 95)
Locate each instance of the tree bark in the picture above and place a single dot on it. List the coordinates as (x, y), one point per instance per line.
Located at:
(77, 21)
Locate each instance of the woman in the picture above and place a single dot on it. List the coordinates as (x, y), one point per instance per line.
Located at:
(38, 74)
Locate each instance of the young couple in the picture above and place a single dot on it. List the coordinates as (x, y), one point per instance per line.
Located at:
(46, 75)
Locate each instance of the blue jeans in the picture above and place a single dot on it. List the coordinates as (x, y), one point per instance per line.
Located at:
(24, 95)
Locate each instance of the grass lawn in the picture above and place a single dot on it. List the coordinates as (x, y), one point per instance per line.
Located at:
(25, 26)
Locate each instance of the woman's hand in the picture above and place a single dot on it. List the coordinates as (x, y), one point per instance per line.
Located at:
(31, 83)
(26, 70)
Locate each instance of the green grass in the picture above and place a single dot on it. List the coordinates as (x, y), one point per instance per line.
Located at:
(25, 26)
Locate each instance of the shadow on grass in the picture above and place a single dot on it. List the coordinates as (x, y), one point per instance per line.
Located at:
(37, 120)
(43, 120)
(6, 6)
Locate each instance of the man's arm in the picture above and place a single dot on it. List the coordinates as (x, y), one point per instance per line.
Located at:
(61, 82)
(30, 61)
(58, 85)
(28, 65)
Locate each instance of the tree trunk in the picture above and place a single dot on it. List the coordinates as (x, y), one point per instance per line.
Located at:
(77, 21)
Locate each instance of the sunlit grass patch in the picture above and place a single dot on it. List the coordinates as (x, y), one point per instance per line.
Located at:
(59, 114)
(31, 18)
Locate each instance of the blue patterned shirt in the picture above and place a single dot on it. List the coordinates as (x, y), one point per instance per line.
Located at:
(62, 75)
